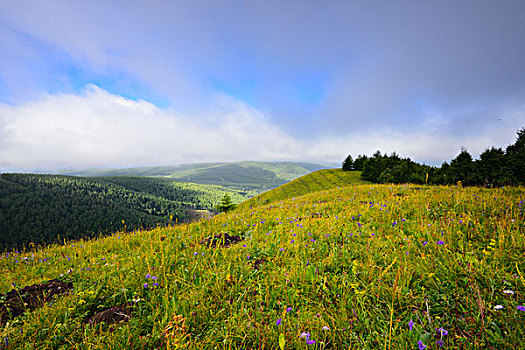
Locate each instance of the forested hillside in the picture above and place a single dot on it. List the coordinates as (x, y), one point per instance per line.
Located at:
(46, 208)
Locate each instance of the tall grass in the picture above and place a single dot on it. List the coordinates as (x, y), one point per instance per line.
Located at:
(364, 267)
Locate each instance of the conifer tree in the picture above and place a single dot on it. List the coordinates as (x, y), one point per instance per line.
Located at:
(226, 204)
(348, 163)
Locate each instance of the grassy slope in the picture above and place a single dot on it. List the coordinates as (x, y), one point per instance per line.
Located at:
(317, 181)
(351, 266)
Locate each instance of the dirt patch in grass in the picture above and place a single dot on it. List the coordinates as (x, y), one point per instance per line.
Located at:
(257, 263)
(196, 215)
(16, 302)
(222, 240)
(113, 315)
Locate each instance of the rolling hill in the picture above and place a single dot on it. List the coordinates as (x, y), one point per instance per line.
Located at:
(351, 267)
(319, 180)
(251, 177)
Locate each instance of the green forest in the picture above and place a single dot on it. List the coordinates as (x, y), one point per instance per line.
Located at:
(495, 167)
(42, 209)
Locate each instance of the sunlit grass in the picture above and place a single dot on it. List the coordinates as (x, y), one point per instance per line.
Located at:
(349, 267)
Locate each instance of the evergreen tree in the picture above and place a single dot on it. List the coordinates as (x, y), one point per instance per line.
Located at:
(515, 157)
(226, 204)
(348, 163)
(489, 169)
(461, 168)
(359, 162)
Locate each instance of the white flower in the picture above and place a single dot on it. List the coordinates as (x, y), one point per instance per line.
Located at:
(498, 307)
(508, 291)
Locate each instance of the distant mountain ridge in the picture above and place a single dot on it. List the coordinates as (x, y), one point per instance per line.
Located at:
(247, 175)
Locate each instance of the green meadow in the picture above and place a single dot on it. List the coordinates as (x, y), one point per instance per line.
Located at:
(314, 265)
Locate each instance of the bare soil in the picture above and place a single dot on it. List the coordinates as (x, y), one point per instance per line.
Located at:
(16, 302)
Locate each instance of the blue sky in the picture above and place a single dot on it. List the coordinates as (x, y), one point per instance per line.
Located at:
(131, 83)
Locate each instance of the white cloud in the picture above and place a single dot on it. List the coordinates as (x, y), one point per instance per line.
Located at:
(99, 129)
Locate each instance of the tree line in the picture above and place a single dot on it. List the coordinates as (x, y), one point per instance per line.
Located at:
(494, 167)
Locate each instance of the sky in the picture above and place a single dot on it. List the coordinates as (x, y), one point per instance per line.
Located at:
(109, 83)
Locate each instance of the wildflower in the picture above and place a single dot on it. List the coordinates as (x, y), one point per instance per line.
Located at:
(440, 242)
(326, 328)
(498, 307)
(145, 285)
(425, 243)
(439, 343)
(155, 284)
(410, 324)
(421, 345)
(281, 250)
(148, 276)
(443, 332)
(508, 292)
(289, 309)
(521, 307)
(278, 322)
(195, 253)
(310, 341)
(305, 335)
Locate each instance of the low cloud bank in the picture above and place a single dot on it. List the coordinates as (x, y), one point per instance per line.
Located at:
(99, 129)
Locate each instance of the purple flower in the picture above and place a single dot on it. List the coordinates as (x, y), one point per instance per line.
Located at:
(410, 324)
(425, 243)
(443, 332)
(289, 309)
(440, 242)
(281, 250)
(310, 341)
(439, 343)
(394, 223)
(521, 307)
(421, 345)
(326, 328)
(148, 276)
(278, 322)
(195, 253)
(154, 277)
(145, 285)
(155, 284)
